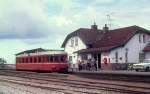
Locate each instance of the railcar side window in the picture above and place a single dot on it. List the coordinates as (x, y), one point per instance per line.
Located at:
(44, 59)
(35, 59)
(39, 59)
(22, 60)
(30, 59)
(17, 60)
(27, 60)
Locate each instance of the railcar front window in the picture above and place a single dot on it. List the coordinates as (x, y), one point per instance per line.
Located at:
(51, 58)
(56, 58)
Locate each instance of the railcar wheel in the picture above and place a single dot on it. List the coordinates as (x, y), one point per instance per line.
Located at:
(64, 70)
(137, 70)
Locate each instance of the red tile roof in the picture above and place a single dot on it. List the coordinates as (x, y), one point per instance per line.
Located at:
(106, 41)
(147, 48)
(117, 37)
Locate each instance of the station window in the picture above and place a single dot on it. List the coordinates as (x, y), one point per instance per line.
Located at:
(126, 54)
(72, 42)
(147, 38)
(139, 38)
(144, 39)
(70, 58)
(76, 41)
(141, 56)
(116, 56)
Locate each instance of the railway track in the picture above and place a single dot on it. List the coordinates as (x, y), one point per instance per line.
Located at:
(75, 86)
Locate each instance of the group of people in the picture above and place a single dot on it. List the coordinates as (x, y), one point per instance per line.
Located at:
(87, 65)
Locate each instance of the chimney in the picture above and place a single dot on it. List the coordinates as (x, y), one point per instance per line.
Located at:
(94, 26)
(105, 29)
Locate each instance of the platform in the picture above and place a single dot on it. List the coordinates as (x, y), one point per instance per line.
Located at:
(122, 72)
(123, 75)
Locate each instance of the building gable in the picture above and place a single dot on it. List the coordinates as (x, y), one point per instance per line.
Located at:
(88, 36)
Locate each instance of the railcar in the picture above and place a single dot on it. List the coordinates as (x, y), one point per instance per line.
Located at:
(46, 61)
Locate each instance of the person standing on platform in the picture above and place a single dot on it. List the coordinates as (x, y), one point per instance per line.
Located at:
(95, 65)
(89, 65)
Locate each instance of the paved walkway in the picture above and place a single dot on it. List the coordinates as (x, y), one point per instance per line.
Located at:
(129, 72)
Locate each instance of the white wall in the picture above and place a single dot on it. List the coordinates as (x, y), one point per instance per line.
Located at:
(134, 48)
(71, 49)
(147, 55)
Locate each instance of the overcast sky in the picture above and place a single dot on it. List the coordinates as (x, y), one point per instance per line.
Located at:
(27, 24)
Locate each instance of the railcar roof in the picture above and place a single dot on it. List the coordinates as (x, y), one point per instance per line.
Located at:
(40, 51)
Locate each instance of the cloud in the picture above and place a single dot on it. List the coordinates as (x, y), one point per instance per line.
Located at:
(96, 2)
(32, 19)
(23, 19)
(27, 24)
(61, 20)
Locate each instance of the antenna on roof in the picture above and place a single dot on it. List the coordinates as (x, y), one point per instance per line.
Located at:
(109, 20)
(94, 23)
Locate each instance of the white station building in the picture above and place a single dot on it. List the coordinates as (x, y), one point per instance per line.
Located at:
(111, 49)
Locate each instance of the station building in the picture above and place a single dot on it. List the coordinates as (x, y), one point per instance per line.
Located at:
(111, 49)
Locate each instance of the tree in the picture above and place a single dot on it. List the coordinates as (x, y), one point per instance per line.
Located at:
(2, 63)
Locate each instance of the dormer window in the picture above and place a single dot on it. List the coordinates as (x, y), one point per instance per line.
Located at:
(72, 42)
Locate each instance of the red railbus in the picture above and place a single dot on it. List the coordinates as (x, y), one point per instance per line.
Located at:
(49, 61)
